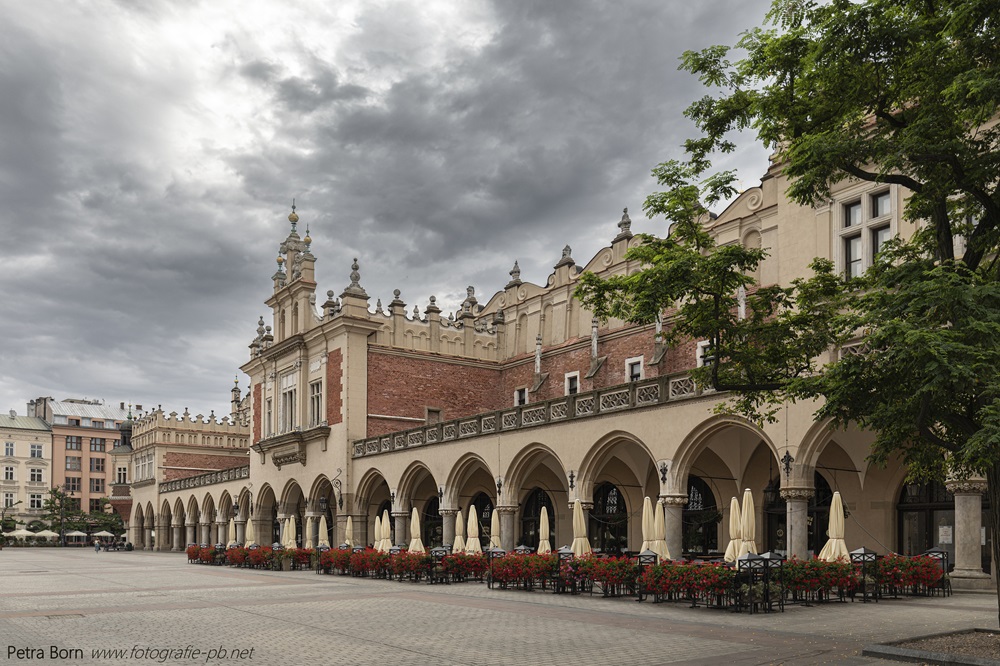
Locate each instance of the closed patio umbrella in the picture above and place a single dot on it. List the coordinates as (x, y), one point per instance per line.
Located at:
(835, 548)
(647, 523)
(309, 532)
(386, 532)
(349, 537)
(459, 545)
(659, 543)
(735, 531)
(581, 546)
(416, 545)
(324, 539)
(250, 536)
(232, 533)
(472, 545)
(19, 533)
(748, 525)
(292, 536)
(495, 529)
(544, 547)
(377, 533)
(71, 533)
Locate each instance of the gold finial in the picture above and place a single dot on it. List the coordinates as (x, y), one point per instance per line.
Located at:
(293, 217)
(280, 260)
(307, 240)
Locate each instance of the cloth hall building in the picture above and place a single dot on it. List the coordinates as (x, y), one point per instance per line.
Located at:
(520, 400)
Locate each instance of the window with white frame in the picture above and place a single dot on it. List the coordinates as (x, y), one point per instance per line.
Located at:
(8, 500)
(36, 450)
(8, 449)
(572, 383)
(268, 419)
(34, 501)
(633, 369)
(97, 444)
(864, 225)
(288, 386)
(520, 397)
(701, 350)
(8, 473)
(72, 484)
(73, 463)
(315, 403)
(122, 475)
(35, 475)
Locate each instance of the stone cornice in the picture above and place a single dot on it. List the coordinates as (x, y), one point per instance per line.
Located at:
(967, 487)
(797, 493)
(674, 500)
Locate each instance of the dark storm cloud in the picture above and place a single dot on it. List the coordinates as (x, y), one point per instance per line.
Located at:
(137, 271)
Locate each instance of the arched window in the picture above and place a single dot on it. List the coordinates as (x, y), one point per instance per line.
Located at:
(387, 506)
(431, 524)
(609, 520)
(926, 518)
(701, 518)
(530, 515)
(482, 506)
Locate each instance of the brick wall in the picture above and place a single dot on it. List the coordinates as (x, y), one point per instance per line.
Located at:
(257, 411)
(201, 463)
(406, 385)
(335, 387)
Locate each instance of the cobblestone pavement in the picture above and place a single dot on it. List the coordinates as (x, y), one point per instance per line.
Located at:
(156, 608)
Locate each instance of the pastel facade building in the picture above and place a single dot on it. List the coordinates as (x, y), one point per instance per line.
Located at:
(26, 466)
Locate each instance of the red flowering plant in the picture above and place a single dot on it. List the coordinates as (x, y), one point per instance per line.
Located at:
(408, 565)
(506, 570)
(340, 560)
(616, 575)
(260, 557)
(369, 562)
(710, 582)
(299, 557)
(894, 571)
(236, 557)
(193, 551)
(461, 566)
(536, 568)
(925, 571)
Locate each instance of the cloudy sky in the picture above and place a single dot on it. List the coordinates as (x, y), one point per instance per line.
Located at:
(149, 153)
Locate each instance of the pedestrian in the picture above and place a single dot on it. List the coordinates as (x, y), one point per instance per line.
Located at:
(97, 546)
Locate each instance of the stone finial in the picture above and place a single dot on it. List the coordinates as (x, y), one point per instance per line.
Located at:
(624, 227)
(515, 276)
(355, 275)
(396, 293)
(416, 313)
(378, 306)
(355, 288)
(260, 327)
(567, 258)
(397, 302)
(432, 306)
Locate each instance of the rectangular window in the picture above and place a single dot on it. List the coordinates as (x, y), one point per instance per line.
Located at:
(85, 422)
(572, 383)
(98, 424)
(633, 369)
(702, 352)
(880, 204)
(95, 506)
(97, 464)
(852, 257)
(8, 474)
(36, 450)
(268, 423)
(74, 422)
(520, 397)
(35, 475)
(97, 486)
(34, 501)
(73, 463)
(122, 475)
(288, 402)
(852, 214)
(73, 443)
(879, 238)
(72, 484)
(315, 403)
(8, 449)
(8, 500)
(59, 419)
(97, 444)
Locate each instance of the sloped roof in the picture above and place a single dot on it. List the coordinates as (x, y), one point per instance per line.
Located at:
(23, 422)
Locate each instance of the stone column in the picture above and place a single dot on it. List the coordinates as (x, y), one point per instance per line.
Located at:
(797, 521)
(673, 516)
(178, 538)
(401, 520)
(206, 536)
(191, 536)
(448, 526)
(315, 528)
(135, 536)
(149, 539)
(222, 532)
(241, 531)
(968, 571)
(507, 515)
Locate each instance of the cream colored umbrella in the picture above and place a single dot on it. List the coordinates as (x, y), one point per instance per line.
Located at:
(748, 524)
(735, 531)
(48, 534)
(495, 529)
(22, 533)
(647, 523)
(292, 536)
(472, 545)
(835, 548)
(249, 536)
(386, 532)
(324, 533)
(377, 534)
(416, 545)
(581, 546)
(659, 542)
(232, 533)
(459, 545)
(309, 533)
(544, 547)
(349, 537)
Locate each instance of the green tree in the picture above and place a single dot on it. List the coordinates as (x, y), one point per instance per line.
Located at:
(62, 511)
(883, 91)
(106, 520)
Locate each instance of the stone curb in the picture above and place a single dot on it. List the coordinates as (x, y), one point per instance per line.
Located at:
(895, 653)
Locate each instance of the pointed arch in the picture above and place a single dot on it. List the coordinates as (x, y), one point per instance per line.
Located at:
(699, 438)
(602, 450)
(415, 473)
(464, 468)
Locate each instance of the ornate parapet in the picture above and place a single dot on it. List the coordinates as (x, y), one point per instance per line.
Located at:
(211, 478)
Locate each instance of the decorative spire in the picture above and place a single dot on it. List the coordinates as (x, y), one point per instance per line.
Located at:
(515, 276)
(355, 288)
(378, 306)
(432, 306)
(567, 258)
(416, 313)
(624, 227)
(307, 240)
(293, 217)
(260, 327)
